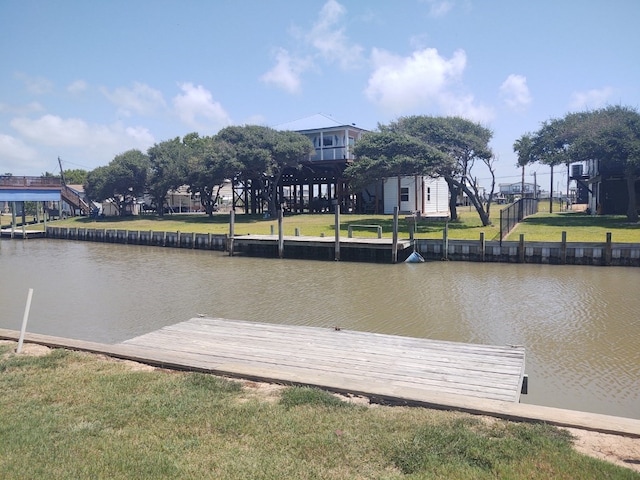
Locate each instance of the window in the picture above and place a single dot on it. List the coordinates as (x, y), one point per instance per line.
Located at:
(428, 194)
(327, 141)
(404, 194)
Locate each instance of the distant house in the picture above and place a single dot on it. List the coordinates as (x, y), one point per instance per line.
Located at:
(507, 189)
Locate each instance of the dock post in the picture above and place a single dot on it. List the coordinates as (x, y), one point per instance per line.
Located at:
(445, 241)
(13, 219)
(280, 235)
(25, 317)
(521, 249)
(232, 224)
(483, 246)
(336, 227)
(607, 250)
(563, 249)
(394, 241)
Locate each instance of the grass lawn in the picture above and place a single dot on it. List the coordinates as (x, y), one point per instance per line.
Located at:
(69, 415)
(548, 227)
(542, 226)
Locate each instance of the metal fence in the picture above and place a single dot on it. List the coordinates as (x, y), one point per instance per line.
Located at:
(514, 213)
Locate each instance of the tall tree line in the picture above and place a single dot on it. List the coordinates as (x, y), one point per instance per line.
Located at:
(245, 153)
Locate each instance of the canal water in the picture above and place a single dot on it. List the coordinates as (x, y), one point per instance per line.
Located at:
(580, 325)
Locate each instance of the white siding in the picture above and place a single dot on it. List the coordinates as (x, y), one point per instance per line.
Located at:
(432, 196)
(436, 196)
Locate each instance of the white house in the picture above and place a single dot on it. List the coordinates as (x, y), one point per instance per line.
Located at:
(427, 195)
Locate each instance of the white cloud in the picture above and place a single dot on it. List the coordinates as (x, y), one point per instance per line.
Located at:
(35, 85)
(97, 143)
(197, 109)
(31, 107)
(594, 98)
(77, 86)
(286, 72)
(515, 92)
(14, 149)
(465, 106)
(439, 8)
(328, 37)
(141, 99)
(405, 85)
(399, 83)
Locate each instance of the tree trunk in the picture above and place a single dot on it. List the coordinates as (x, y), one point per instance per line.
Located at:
(273, 195)
(477, 203)
(632, 209)
(453, 198)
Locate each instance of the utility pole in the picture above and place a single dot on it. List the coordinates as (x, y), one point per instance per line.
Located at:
(61, 172)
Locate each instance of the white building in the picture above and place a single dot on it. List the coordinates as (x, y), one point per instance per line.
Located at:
(427, 195)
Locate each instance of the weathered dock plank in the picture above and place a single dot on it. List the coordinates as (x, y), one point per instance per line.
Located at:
(330, 357)
(357, 384)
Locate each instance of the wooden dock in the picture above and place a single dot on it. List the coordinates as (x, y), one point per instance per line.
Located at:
(390, 368)
(324, 248)
(19, 233)
(384, 366)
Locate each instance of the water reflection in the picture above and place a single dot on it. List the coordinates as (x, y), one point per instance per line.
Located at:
(579, 324)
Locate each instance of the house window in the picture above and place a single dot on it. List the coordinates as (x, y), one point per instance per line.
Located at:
(327, 141)
(404, 194)
(428, 194)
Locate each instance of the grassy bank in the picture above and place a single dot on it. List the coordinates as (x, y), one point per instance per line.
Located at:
(540, 227)
(72, 415)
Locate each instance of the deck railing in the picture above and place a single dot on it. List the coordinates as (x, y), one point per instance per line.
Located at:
(10, 181)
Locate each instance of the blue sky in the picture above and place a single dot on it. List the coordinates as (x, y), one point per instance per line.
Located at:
(86, 81)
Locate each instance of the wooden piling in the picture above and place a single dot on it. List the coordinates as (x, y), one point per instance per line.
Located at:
(232, 224)
(394, 241)
(280, 235)
(337, 231)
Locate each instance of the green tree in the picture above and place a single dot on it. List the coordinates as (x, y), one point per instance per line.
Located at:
(122, 181)
(75, 176)
(211, 163)
(609, 135)
(459, 143)
(264, 154)
(522, 147)
(168, 162)
(386, 154)
(612, 136)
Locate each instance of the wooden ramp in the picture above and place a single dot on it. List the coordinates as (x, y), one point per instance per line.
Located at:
(387, 366)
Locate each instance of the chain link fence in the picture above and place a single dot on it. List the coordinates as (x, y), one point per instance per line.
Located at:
(514, 213)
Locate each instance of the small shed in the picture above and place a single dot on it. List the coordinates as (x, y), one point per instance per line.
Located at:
(418, 193)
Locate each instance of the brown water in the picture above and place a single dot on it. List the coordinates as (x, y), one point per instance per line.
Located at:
(580, 325)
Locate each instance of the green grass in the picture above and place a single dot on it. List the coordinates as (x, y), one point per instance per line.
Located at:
(71, 415)
(540, 227)
(548, 227)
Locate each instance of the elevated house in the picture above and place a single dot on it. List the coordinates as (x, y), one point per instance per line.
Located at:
(606, 185)
(320, 184)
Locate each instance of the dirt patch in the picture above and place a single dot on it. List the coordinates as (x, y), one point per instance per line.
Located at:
(32, 349)
(623, 451)
(265, 392)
